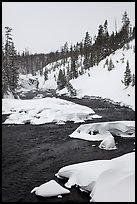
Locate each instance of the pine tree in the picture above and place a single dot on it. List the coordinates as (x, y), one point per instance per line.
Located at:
(133, 32)
(87, 50)
(10, 70)
(133, 80)
(14, 70)
(106, 39)
(125, 20)
(86, 62)
(4, 74)
(99, 38)
(125, 31)
(87, 43)
(73, 69)
(70, 89)
(127, 75)
(61, 81)
(110, 65)
(46, 74)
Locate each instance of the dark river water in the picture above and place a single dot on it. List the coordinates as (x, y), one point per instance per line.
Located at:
(32, 154)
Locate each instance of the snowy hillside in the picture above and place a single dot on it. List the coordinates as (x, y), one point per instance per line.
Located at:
(97, 81)
(107, 84)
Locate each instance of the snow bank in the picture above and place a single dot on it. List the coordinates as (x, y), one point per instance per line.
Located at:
(106, 180)
(114, 186)
(63, 92)
(45, 110)
(51, 188)
(102, 130)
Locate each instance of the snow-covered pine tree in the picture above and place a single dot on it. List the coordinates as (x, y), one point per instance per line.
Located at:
(127, 75)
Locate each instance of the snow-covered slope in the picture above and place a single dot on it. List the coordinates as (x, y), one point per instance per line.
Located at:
(97, 81)
(107, 84)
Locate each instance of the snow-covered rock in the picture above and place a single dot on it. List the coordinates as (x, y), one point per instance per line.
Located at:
(44, 110)
(51, 188)
(102, 130)
(108, 143)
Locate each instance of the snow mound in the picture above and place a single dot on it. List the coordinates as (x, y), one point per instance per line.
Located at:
(106, 180)
(114, 186)
(102, 130)
(51, 188)
(108, 143)
(44, 110)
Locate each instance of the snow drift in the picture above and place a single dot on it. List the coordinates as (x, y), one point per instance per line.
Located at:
(102, 130)
(106, 180)
(44, 110)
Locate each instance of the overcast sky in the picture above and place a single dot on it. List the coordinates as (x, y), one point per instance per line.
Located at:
(42, 27)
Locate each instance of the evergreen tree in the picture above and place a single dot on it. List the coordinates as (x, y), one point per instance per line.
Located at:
(81, 71)
(110, 65)
(10, 70)
(81, 48)
(106, 40)
(86, 62)
(106, 61)
(73, 69)
(133, 32)
(68, 77)
(61, 81)
(87, 43)
(99, 38)
(125, 31)
(70, 89)
(4, 74)
(87, 50)
(127, 75)
(125, 20)
(46, 74)
(133, 80)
